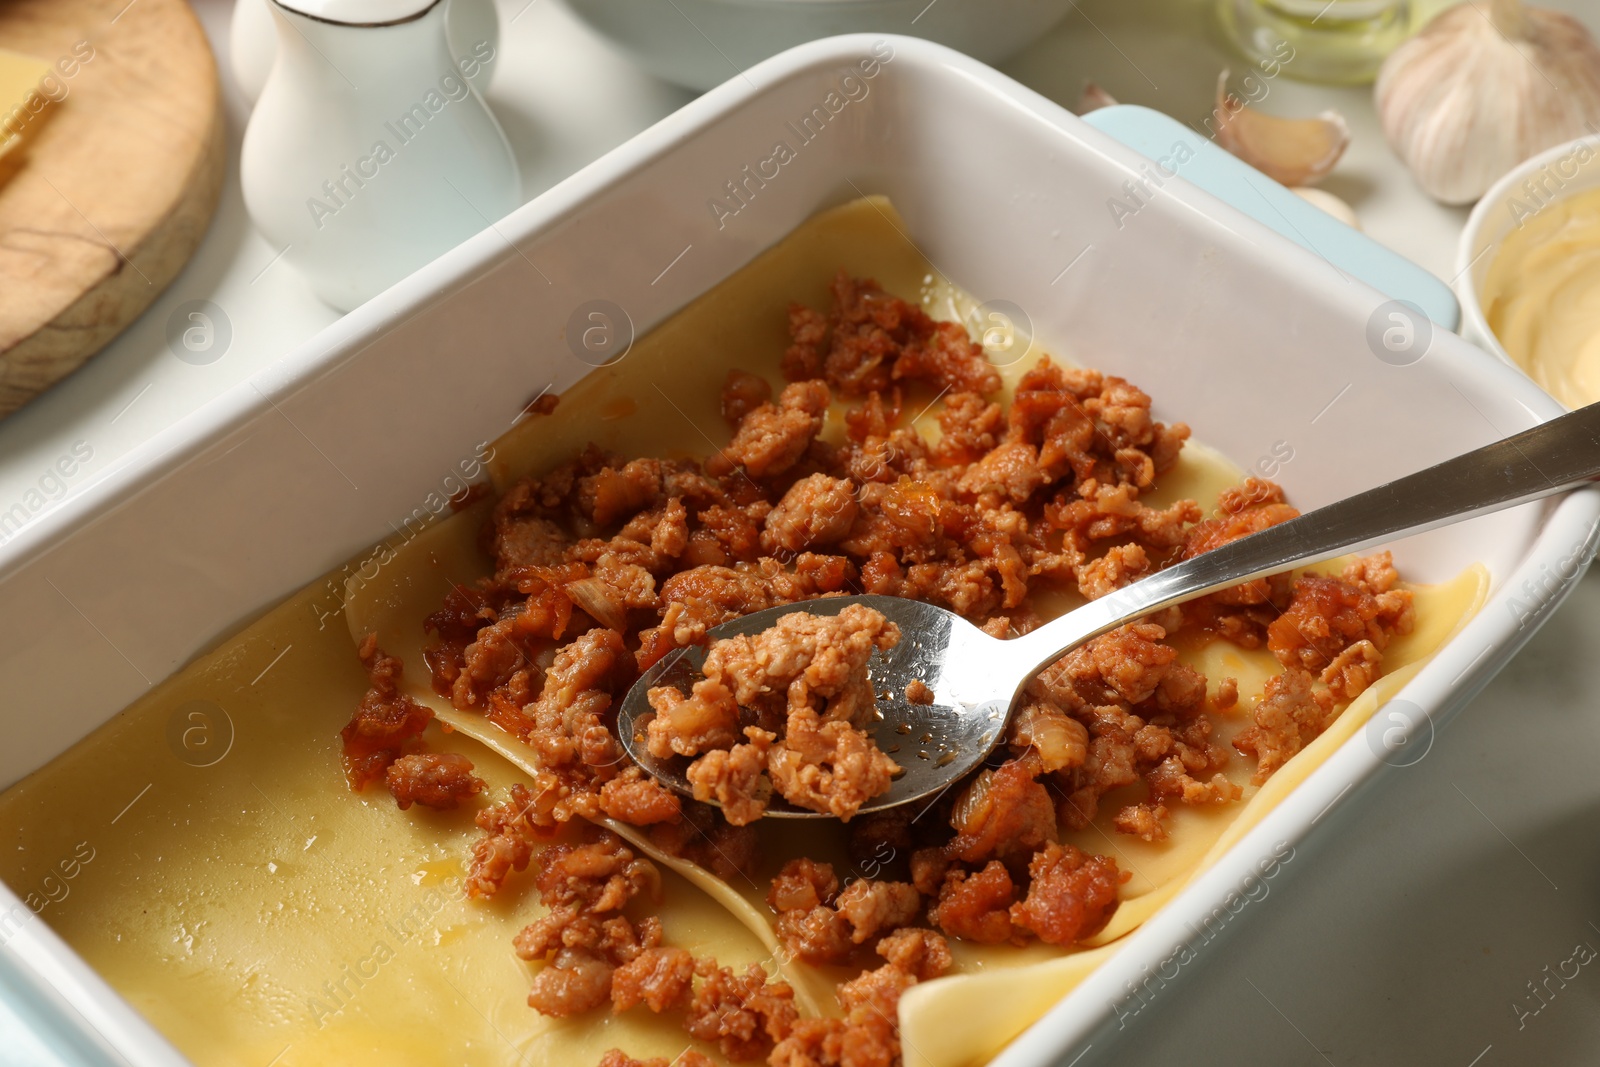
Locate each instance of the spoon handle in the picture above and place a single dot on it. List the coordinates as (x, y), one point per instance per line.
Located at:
(1550, 458)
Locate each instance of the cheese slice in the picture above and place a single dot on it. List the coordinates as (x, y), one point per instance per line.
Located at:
(23, 108)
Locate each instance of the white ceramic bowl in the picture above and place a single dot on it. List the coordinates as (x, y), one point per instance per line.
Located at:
(1550, 176)
(1245, 335)
(701, 43)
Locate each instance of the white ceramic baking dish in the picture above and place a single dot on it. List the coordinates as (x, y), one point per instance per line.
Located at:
(1253, 340)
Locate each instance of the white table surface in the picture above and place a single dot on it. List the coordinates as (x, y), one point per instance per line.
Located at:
(1406, 935)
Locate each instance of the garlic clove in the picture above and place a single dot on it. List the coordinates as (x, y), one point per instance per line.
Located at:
(1093, 98)
(1325, 200)
(1483, 87)
(1290, 151)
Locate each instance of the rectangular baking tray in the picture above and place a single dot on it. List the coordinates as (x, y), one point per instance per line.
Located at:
(1250, 338)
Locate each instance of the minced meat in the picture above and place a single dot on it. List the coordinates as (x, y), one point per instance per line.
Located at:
(438, 780)
(807, 676)
(386, 725)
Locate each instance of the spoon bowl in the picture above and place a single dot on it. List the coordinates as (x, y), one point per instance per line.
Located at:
(935, 743)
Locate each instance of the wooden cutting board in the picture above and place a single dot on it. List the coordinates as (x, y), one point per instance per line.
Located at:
(118, 185)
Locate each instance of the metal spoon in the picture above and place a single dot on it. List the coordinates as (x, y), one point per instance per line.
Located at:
(976, 679)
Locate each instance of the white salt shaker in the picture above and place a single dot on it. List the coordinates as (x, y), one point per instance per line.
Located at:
(473, 26)
(368, 153)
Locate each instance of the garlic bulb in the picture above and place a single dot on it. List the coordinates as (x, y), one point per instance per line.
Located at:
(1478, 91)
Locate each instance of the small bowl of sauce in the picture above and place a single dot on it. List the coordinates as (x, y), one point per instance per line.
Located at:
(1528, 271)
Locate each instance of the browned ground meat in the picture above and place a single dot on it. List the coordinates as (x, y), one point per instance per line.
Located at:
(1240, 614)
(771, 438)
(438, 780)
(1071, 896)
(806, 661)
(808, 927)
(543, 403)
(633, 797)
(816, 935)
(1121, 565)
(1243, 510)
(919, 952)
(510, 834)
(1002, 812)
(970, 426)
(386, 725)
(605, 564)
(872, 339)
(802, 884)
(828, 766)
(689, 725)
(742, 1014)
(574, 982)
(867, 1034)
(819, 924)
(593, 953)
(584, 938)
(602, 875)
(872, 907)
(1339, 627)
(976, 906)
(1291, 713)
(817, 511)
(1144, 821)
(808, 329)
(736, 778)
(712, 592)
(581, 950)
(1170, 780)
(689, 1057)
(1145, 716)
(659, 978)
(1324, 617)
(807, 672)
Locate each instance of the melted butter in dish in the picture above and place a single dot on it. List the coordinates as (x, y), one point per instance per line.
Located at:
(256, 911)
